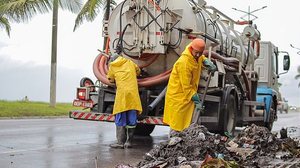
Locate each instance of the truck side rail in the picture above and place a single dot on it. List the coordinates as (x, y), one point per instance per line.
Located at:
(152, 120)
(92, 116)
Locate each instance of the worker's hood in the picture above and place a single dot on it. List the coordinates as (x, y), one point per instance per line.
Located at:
(118, 62)
(188, 54)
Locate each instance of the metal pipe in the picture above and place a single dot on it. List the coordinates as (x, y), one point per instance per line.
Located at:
(227, 17)
(207, 36)
(158, 99)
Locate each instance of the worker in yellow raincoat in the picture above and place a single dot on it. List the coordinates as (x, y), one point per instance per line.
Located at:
(127, 104)
(181, 96)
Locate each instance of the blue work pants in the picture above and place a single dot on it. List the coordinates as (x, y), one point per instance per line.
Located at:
(127, 118)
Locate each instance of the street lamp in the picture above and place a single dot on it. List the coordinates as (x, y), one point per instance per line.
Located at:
(249, 13)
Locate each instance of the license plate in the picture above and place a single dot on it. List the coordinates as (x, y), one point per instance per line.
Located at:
(81, 103)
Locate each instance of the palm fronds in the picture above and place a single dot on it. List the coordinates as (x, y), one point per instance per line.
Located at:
(23, 10)
(4, 23)
(73, 6)
(88, 12)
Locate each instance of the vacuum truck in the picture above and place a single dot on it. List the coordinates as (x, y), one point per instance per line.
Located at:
(154, 33)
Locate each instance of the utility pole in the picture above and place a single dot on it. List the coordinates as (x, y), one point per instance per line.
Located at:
(54, 55)
(105, 18)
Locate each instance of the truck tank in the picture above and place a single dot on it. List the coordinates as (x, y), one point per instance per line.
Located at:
(154, 33)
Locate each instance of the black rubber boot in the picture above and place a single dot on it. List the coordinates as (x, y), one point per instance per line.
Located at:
(130, 133)
(173, 133)
(121, 137)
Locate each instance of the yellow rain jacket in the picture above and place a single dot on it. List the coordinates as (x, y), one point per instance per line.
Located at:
(124, 73)
(183, 84)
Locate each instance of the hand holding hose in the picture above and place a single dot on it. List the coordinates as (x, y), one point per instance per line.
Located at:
(210, 66)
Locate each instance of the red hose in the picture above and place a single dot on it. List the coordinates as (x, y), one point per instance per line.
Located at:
(150, 62)
(230, 61)
(100, 70)
(256, 42)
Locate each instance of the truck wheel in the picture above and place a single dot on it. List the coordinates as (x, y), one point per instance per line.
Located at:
(84, 82)
(230, 115)
(269, 124)
(144, 129)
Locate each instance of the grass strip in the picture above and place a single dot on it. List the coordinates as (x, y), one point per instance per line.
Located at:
(31, 108)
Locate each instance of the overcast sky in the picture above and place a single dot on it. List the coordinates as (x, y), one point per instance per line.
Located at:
(25, 56)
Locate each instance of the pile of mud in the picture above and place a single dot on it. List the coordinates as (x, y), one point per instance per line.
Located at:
(196, 147)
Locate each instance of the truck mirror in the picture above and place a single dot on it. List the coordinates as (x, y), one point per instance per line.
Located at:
(286, 62)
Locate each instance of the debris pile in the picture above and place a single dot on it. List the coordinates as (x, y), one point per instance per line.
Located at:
(186, 148)
(258, 147)
(196, 147)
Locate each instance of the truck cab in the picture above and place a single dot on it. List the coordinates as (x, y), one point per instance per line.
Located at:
(267, 66)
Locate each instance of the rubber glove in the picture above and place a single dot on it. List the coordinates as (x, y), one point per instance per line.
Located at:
(210, 66)
(198, 107)
(196, 99)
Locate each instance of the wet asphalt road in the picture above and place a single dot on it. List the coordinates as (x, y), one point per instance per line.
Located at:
(292, 119)
(68, 143)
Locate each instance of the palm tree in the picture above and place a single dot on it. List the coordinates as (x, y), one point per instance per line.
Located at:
(20, 11)
(5, 24)
(91, 9)
(298, 75)
(24, 10)
(4, 21)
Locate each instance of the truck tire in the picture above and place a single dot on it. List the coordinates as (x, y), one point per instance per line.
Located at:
(144, 129)
(269, 124)
(86, 81)
(230, 115)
